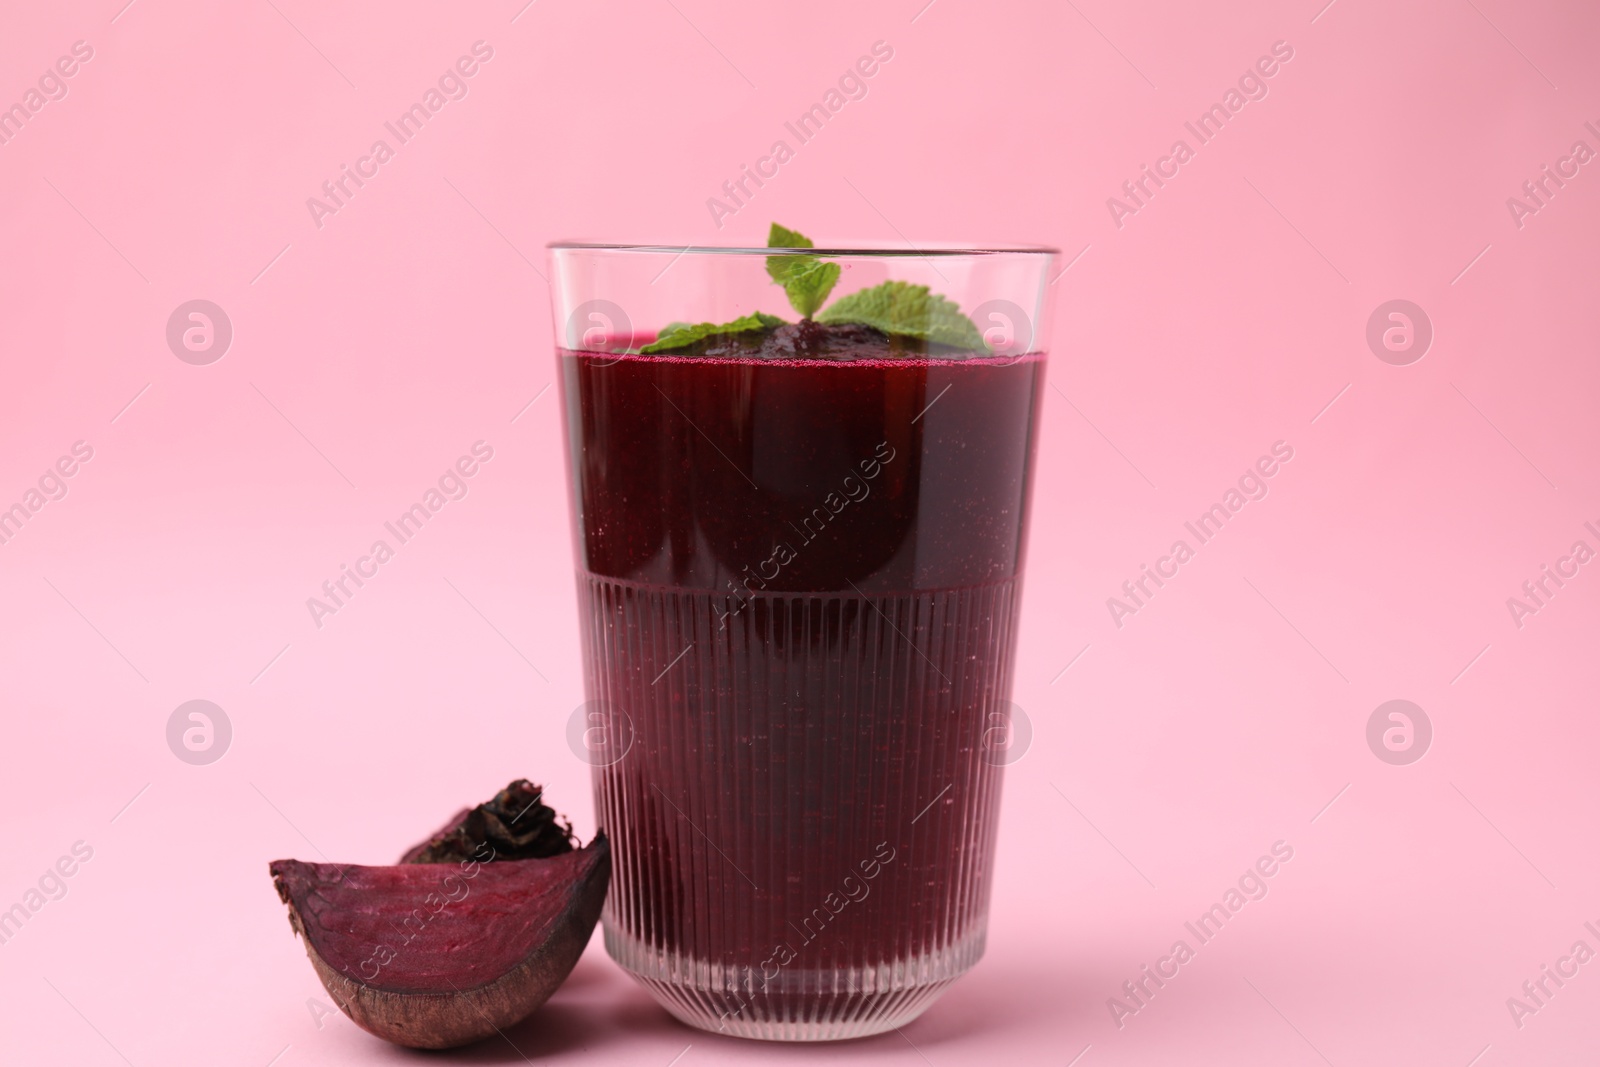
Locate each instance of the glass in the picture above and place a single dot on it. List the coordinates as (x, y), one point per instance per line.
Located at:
(798, 582)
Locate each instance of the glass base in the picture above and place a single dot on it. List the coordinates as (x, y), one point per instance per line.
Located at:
(796, 1005)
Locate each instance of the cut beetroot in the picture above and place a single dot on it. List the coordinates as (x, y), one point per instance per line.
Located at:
(436, 955)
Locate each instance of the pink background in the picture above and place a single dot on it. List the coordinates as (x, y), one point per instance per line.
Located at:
(1222, 317)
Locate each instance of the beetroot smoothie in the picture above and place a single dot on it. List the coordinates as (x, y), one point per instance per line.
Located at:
(799, 563)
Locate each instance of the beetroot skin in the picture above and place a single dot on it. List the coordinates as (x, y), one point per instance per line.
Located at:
(446, 950)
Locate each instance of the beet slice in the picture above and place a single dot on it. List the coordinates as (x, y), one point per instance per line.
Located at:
(436, 955)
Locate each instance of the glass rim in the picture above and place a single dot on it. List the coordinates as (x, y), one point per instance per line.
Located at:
(831, 253)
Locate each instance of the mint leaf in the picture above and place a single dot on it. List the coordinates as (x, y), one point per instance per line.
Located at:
(676, 335)
(910, 311)
(806, 280)
(783, 237)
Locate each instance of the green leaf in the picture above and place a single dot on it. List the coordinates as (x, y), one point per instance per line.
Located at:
(806, 280)
(910, 311)
(676, 335)
(783, 237)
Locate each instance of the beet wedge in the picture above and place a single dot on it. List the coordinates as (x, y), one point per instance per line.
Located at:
(437, 955)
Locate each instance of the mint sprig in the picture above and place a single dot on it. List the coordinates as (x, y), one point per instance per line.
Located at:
(899, 309)
(676, 335)
(806, 280)
(909, 311)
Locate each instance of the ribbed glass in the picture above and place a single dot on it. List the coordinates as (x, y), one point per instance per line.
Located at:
(804, 821)
(799, 554)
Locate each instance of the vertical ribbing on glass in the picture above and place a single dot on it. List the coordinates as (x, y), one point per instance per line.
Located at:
(803, 826)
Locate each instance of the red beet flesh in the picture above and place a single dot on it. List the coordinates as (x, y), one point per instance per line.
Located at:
(436, 955)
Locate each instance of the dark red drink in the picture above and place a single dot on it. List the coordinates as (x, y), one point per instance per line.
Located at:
(798, 580)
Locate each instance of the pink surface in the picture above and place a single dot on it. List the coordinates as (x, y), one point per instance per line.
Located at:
(1229, 312)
